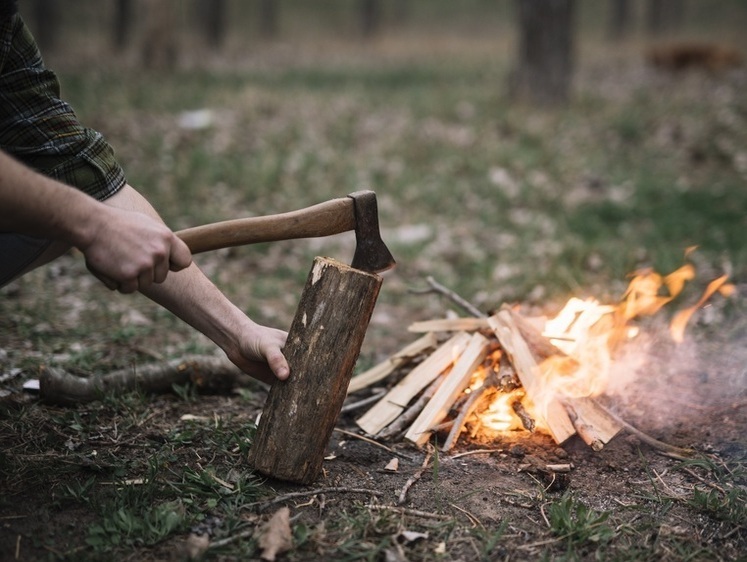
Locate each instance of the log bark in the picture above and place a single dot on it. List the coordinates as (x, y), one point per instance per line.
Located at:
(324, 342)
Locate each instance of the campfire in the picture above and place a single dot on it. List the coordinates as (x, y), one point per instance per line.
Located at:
(493, 373)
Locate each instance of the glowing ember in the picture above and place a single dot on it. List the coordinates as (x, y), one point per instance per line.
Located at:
(500, 416)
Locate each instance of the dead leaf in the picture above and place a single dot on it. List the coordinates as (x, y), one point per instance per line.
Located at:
(392, 465)
(196, 546)
(406, 537)
(395, 554)
(276, 536)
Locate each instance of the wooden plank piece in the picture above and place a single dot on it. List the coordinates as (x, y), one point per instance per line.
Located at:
(386, 367)
(454, 384)
(394, 402)
(555, 416)
(449, 325)
(592, 422)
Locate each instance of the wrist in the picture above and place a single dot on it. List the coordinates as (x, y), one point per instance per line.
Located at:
(82, 221)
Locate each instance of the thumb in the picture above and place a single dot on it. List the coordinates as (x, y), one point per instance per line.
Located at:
(180, 257)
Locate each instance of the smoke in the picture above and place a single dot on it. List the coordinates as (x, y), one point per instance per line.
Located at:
(656, 383)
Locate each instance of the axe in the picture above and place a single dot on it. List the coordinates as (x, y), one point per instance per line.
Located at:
(358, 211)
(327, 331)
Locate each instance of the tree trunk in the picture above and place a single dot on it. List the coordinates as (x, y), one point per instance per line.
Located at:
(268, 18)
(619, 19)
(544, 69)
(213, 19)
(160, 49)
(664, 16)
(46, 16)
(370, 17)
(324, 341)
(123, 14)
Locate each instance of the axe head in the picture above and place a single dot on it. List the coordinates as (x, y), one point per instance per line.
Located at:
(371, 254)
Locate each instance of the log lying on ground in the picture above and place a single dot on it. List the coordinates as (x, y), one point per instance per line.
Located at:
(208, 374)
(395, 401)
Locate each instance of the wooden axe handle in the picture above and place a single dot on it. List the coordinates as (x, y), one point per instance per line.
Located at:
(324, 219)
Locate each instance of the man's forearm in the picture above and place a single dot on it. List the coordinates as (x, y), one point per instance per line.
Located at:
(36, 205)
(191, 296)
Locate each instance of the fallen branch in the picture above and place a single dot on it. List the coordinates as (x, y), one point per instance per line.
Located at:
(476, 452)
(371, 441)
(209, 375)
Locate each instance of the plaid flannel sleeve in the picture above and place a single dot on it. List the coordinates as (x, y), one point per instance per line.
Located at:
(40, 129)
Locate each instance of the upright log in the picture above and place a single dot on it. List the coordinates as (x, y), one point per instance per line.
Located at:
(324, 341)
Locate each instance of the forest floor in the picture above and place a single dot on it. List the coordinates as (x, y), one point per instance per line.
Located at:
(499, 202)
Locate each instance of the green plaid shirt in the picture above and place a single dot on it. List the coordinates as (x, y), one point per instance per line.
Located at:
(42, 131)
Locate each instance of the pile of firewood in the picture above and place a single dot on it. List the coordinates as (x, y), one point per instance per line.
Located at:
(439, 366)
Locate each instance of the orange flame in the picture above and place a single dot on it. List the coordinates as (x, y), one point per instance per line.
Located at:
(588, 332)
(680, 320)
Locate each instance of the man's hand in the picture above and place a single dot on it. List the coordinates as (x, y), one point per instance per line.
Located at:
(126, 248)
(260, 355)
(129, 251)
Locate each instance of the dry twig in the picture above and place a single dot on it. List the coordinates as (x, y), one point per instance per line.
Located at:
(262, 505)
(414, 478)
(677, 452)
(436, 287)
(408, 511)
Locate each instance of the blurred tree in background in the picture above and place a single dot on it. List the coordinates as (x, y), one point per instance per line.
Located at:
(46, 21)
(619, 19)
(538, 39)
(544, 68)
(665, 15)
(122, 24)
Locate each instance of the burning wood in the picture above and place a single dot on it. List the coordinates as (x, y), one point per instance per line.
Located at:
(561, 366)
